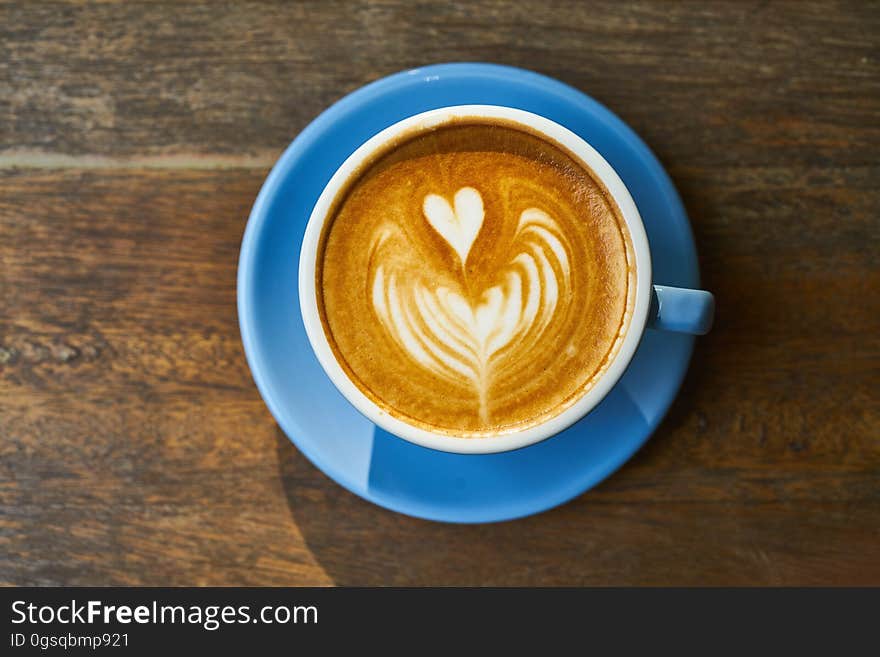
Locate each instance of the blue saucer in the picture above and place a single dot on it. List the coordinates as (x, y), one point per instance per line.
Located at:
(347, 447)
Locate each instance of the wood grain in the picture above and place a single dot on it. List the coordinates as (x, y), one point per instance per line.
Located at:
(134, 447)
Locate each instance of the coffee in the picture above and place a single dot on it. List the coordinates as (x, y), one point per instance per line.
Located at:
(474, 279)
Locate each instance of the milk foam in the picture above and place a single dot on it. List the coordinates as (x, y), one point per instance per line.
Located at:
(438, 327)
(474, 280)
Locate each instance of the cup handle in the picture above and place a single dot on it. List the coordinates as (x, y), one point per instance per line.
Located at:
(681, 310)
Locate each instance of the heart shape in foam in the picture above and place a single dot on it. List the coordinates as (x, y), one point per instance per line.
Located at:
(460, 225)
(492, 323)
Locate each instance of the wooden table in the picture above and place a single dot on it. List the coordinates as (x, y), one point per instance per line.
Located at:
(135, 449)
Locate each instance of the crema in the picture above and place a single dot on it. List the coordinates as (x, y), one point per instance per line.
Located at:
(475, 279)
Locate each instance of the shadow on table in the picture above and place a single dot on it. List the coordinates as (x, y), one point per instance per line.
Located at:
(360, 544)
(356, 542)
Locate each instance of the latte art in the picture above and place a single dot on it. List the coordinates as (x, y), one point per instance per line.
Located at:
(460, 225)
(474, 279)
(439, 328)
